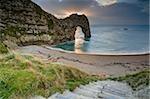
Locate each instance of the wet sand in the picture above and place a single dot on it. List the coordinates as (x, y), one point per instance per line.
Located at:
(93, 64)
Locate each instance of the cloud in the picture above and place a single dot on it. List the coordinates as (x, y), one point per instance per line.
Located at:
(128, 1)
(106, 2)
(144, 4)
(60, 0)
(64, 7)
(100, 11)
(119, 13)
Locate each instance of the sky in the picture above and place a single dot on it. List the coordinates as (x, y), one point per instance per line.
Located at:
(101, 12)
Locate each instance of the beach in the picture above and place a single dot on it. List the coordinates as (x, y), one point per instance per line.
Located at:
(106, 65)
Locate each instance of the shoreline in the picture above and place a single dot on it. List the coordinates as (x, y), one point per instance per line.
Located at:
(97, 54)
(107, 65)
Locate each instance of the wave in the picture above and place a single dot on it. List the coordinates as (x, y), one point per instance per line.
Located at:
(104, 53)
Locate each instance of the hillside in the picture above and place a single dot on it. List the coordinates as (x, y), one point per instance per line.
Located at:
(23, 22)
(22, 76)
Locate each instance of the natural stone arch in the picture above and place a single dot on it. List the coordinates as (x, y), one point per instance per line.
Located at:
(76, 20)
(35, 26)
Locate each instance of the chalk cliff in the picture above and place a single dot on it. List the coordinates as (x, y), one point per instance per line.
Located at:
(23, 22)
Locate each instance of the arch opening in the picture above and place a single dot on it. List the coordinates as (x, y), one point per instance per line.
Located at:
(82, 22)
(80, 44)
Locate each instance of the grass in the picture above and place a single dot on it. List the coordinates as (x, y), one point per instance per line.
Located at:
(73, 83)
(137, 81)
(23, 76)
(14, 31)
(3, 48)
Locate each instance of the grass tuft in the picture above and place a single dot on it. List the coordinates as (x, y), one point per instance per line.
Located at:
(3, 48)
(22, 76)
(137, 81)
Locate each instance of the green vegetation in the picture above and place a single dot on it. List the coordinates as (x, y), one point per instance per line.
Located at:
(73, 83)
(14, 31)
(3, 48)
(40, 33)
(37, 9)
(137, 81)
(50, 24)
(22, 76)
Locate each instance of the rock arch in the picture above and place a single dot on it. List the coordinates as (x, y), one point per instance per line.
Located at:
(22, 24)
(76, 20)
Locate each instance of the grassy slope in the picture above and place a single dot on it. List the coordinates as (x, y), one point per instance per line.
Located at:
(22, 76)
(3, 49)
(137, 81)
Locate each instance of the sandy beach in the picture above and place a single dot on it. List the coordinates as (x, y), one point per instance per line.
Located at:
(107, 65)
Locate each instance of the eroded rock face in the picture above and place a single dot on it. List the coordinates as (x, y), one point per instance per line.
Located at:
(79, 20)
(28, 23)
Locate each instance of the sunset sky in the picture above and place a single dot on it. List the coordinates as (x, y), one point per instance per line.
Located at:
(105, 12)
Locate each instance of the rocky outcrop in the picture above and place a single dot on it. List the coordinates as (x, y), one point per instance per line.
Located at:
(96, 90)
(23, 22)
(102, 90)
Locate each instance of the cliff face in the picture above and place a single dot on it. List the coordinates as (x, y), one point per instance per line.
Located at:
(22, 22)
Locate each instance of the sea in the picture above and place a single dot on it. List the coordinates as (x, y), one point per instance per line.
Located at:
(112, 39)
